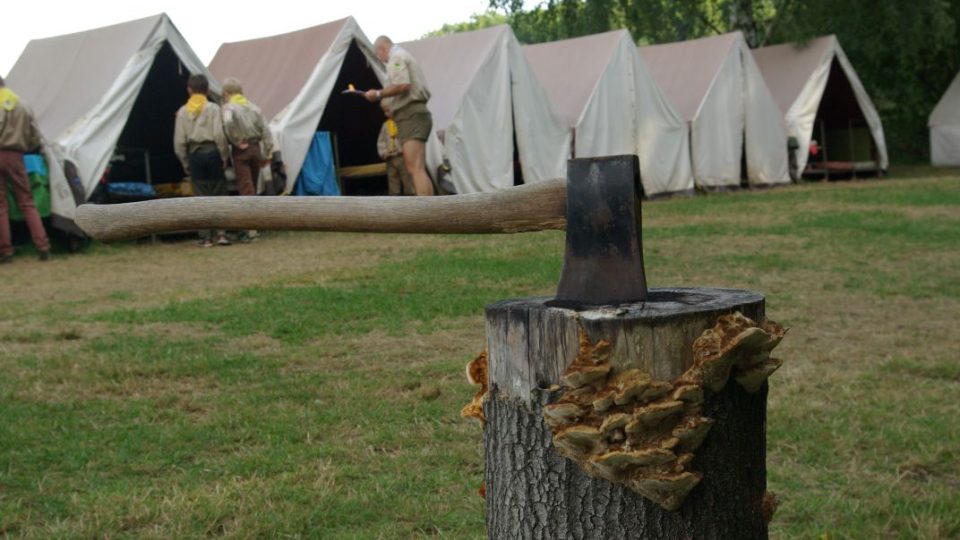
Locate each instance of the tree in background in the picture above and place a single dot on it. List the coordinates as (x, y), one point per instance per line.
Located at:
(905, 52)
(476, 22)
(650, 21)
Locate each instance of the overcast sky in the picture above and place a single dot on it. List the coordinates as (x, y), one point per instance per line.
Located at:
(207, 23)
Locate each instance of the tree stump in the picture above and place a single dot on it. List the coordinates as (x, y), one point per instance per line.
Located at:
(534, 492)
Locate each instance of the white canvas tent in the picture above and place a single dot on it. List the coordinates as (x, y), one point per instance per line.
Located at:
(489, 109)
(821, 95)
(92, 91)
(297, 78)
(944, 123)
(602, 89)
(715, 85)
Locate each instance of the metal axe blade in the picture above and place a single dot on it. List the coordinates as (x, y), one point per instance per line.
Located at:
(603, 263)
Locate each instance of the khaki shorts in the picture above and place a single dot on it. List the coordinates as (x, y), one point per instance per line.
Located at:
(414, 122)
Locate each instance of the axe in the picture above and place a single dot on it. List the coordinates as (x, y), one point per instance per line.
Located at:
(599, 204)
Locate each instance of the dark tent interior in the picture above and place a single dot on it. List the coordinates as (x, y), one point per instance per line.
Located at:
(355, 124)
(144, 151)
(846, 145)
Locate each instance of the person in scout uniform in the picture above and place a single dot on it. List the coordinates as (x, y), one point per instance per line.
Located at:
(249, 137)
(18, 134)
(398, 179)
(200, 143)
(407, 96)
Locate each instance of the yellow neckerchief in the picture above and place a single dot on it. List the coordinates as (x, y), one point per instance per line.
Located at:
(8, 100)
(195, 104)
(392, 132)
(239, 99)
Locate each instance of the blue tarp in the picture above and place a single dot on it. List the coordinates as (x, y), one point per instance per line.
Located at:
(131, 189)
(35, 163)
(317, 176)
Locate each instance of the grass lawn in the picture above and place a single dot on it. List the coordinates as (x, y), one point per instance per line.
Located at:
(309, 385)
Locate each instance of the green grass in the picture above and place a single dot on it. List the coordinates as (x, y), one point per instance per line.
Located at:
(325, 404)
(426, 290)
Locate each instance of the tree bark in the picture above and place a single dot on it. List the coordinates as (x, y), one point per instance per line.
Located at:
(742, 18)
(533, 492)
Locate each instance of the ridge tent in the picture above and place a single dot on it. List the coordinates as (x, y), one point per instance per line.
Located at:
(822, 98)
(944, 124)
(489, 111)
(107, 95)
(296, 79)
(736, 129)
(601, 88)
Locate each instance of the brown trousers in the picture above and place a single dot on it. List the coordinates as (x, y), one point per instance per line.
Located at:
(246, 164)
(13, 172)
(399, 181)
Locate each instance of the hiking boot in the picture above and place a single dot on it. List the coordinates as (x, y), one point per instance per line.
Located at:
(45, 255)
(206, 243)
(224, 241)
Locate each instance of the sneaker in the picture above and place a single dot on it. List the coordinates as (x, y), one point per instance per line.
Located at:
(247, 237)
(45, 255)
(206, 244)
(223, 241)
(6, 259)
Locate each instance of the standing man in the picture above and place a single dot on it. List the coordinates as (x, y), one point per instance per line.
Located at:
(407, 96)
(398, 179)
(18, 134)
(201, 145)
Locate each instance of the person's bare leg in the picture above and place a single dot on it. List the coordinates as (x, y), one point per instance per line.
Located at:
(414, 157)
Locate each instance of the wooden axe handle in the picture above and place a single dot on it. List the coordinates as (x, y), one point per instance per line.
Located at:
(531, 207)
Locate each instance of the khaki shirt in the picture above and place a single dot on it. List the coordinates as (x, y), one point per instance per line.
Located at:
(243, 123)
(403, 69)
(18, 131)
(387, 146)
(189, 132)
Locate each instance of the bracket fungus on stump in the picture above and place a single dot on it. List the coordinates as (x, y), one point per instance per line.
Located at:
(627, 427)
(477, 375)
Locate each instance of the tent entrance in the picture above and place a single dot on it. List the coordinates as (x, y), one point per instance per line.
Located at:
(845, 145)
(144, 152)
(517, 166)
(354, 125)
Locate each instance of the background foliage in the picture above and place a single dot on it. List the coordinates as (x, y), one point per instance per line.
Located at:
(906, 53)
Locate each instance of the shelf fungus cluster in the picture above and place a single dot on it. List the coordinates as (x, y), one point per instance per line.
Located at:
(477, 375)
(626, 427)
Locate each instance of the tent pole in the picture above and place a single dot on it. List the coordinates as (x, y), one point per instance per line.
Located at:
(823, 146)
(853, 153)
(336, 162)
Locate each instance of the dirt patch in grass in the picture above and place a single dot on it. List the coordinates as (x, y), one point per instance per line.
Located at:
(147, 274)
(259, 344)
(946, 213)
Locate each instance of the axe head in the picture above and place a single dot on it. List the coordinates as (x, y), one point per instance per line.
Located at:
(603, 264)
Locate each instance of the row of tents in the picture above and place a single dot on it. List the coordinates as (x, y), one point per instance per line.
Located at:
(708, 112)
